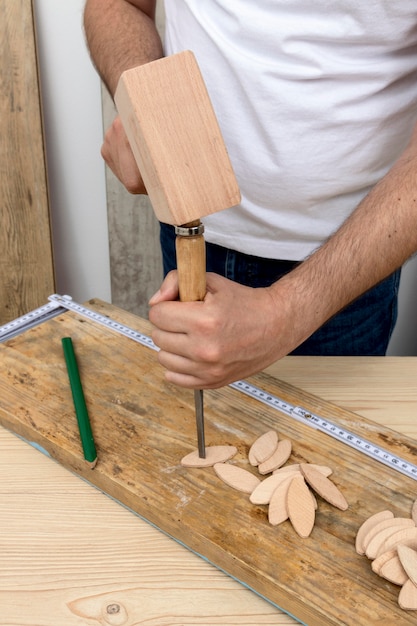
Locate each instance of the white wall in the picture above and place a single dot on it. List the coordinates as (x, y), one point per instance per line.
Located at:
(73, 135)
(73, 127)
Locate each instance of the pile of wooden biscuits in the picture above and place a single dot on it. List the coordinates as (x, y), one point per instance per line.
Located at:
(286, 491)
(390, 542)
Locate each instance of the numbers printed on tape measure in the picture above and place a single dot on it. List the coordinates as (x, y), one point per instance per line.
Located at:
(57, 304)
(68, 303)
(325, 426)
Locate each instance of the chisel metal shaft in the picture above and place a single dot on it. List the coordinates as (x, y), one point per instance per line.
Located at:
(199, 418)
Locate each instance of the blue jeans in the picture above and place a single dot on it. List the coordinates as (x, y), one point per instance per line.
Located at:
(363, 328)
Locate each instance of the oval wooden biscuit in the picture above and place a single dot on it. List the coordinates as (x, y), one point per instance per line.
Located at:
(236, 477)
(408, 560)
(376, 537)
(385, 524)
(366, 526)
(405, 536)
(376, 546)
(407, 598)
(278, 510)
(280, 456)
(380, 561)
(323, 486)
(393, 571)
(300, 507)
(214, 454)
(263, 447)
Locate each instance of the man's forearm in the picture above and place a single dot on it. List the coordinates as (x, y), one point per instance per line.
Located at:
(120, 35)
(377, 239)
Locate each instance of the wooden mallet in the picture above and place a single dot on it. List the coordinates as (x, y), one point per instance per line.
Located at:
(172, 129)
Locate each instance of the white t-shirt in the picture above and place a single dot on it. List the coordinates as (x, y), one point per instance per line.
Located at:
(315, 102)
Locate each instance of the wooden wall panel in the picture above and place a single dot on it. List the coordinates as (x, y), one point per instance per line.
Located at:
(26, 265)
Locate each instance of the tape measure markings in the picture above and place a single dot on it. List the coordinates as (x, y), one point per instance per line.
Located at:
(29, 320)
(108, 322)
(326, 426)
(57, 304)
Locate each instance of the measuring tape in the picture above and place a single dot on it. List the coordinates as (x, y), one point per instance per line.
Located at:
(328, 427)
(68, 303)
(58, 304)
(35, 317)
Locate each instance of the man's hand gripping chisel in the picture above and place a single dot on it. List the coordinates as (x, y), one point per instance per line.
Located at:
(177, 143)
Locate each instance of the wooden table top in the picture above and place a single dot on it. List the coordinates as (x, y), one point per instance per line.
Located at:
(72, 556)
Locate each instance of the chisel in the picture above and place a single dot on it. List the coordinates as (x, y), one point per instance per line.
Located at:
(172, 129)
(191, 265)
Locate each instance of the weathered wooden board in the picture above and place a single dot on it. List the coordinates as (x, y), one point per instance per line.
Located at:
(144, 426)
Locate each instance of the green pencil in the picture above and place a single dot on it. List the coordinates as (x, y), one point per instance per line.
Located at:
(83, 419)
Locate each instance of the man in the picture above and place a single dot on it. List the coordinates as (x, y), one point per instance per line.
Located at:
(317, 105)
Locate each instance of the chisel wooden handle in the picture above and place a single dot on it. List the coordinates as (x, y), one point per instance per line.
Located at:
(191, 261)
(191, 266)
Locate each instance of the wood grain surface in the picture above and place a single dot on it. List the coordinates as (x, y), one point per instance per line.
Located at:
(26, 269)
(388, 404)
(143, 427)
(70, 555)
